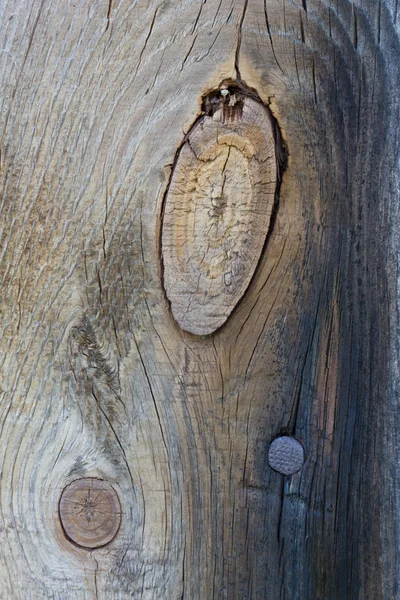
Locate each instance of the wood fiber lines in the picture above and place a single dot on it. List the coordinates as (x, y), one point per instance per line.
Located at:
(98, 380)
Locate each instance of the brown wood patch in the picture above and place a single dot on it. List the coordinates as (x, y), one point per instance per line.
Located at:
(90, 512)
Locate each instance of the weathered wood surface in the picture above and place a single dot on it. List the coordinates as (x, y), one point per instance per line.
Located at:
(98, 379)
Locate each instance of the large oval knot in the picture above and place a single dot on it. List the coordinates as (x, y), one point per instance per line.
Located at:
(217, 209)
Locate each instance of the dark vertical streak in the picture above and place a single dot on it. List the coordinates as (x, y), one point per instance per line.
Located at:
(379, 22)
(216, 14)
(296, 65)
(291, 426)
(355, 33)
(239, 41)
(30, 41)
(359, 101)
(188, 52)
(302, 36)
(270, 35)
(147, 38)
(280, 516)
(284, 17)
(148, 379)
(314, 82)
(108, 14)
(100, 287)
(198, 17)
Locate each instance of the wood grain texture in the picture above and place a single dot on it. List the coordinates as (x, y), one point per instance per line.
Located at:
(97, 378)
(217, 210)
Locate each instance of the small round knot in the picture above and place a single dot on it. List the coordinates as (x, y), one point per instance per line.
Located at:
(286, 455)
(90, 512)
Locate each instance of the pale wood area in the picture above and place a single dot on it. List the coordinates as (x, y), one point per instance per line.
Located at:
(97, 378)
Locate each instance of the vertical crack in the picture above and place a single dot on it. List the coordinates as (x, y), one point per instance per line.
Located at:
(239, 41)
(270, 36)
(108, 14)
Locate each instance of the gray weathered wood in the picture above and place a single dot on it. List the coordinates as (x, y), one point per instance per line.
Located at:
(97, 377)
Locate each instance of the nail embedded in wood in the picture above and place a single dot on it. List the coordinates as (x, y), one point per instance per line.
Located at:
(217, 208)
(286, 455)
(90, 512)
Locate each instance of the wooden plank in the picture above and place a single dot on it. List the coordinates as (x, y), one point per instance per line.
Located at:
(98, 378)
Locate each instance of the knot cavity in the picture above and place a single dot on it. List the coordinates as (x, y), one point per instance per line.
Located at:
(217, 209)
